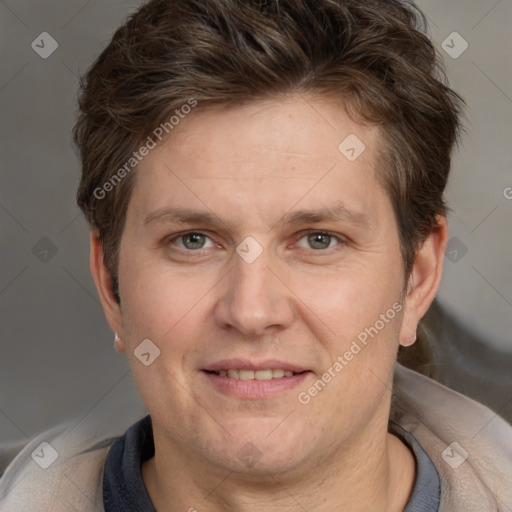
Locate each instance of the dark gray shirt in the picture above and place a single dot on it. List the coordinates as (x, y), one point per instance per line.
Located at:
(124, 489)
(426, 493)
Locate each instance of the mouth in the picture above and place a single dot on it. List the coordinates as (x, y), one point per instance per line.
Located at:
(244, 379)
(268, 374)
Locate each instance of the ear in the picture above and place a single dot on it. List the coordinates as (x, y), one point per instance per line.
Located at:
(424, 280)
(103, 281)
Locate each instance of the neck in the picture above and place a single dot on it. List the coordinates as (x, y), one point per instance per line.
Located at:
(378, 474)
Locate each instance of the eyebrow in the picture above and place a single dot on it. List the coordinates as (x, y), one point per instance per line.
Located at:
(338, 212)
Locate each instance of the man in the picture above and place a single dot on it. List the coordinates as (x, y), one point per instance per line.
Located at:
(264, 184)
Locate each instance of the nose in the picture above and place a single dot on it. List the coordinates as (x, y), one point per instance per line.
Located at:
(253, 300)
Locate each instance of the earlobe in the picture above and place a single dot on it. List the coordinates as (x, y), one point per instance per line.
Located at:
(103, 282)
(409, 342)
(424, 281)
(119, 343)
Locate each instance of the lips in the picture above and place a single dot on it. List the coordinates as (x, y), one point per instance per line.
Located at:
(254, 380)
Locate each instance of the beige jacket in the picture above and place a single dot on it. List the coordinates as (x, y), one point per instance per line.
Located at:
(475, 473)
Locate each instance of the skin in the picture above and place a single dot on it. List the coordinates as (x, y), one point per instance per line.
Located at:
(251, 165)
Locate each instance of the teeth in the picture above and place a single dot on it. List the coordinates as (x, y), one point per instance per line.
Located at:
(233, 374)
(246, 374)
(263, 375)
(269, 374)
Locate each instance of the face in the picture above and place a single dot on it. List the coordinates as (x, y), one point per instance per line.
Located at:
(265, 266)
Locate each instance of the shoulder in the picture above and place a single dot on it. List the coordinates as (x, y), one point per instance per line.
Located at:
(469, 444)
(59, 470)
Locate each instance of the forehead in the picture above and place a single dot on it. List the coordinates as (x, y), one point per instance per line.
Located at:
(292, 150)
(293, 127)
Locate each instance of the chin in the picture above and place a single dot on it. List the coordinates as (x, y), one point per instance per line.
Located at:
(250, 460)
(258, 447)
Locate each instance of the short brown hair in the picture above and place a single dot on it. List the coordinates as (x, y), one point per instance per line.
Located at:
(371, 54)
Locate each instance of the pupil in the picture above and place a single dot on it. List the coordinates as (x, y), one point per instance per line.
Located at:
(194, 241)
(319, 241)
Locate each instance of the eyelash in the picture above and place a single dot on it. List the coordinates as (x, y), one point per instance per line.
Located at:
(342, 241)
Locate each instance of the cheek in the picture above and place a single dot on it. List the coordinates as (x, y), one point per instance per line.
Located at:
(345, 302)
(360, 345)
(169, 310)
(355, 315)
(156, 302)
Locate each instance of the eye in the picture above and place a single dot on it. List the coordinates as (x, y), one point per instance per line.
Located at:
(193, 241)
(318, 240)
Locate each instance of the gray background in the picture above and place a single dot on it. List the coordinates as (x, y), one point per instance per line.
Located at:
(57, 359)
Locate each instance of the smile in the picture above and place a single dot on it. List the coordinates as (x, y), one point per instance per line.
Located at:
(268, 374)
(257, 384)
